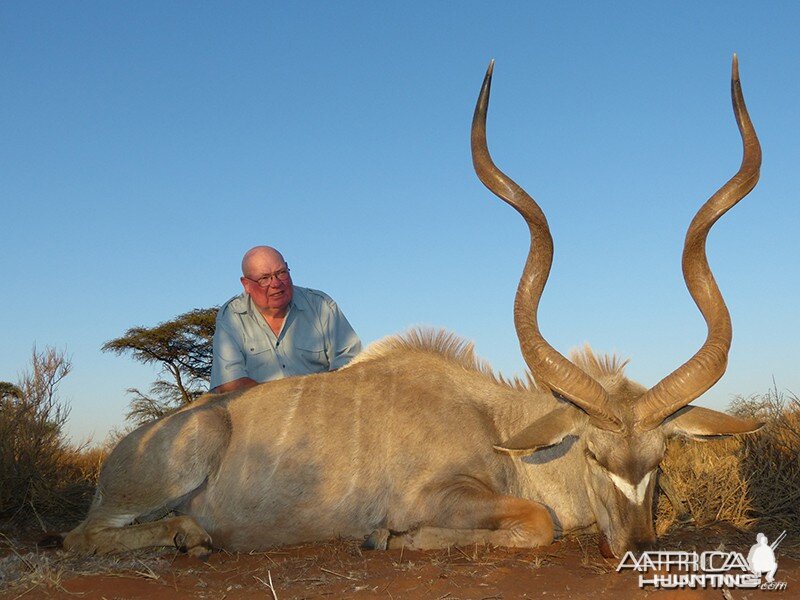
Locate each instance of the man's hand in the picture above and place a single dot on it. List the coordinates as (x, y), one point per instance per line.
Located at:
(237, 384)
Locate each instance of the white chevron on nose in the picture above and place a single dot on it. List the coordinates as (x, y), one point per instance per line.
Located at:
(634, 493)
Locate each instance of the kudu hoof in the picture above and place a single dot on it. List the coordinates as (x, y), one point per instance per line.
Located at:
(193, 547)
(377, 540)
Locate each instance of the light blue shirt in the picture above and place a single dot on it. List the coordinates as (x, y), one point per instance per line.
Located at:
(315, 337)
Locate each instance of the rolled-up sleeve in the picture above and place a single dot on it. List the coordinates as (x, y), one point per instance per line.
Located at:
(228, 361)
(343, 343)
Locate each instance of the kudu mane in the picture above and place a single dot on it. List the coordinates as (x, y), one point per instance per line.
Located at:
(607, 369)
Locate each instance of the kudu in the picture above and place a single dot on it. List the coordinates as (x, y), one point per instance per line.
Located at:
(418, 443)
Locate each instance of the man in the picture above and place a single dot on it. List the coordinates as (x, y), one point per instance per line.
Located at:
(276, 329)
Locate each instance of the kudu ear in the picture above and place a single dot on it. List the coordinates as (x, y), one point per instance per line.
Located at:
(546, 431)
(701, 423)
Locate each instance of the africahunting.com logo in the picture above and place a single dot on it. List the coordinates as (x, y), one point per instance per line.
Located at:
(713, 569)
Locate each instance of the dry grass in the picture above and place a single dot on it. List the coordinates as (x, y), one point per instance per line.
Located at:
(52, 492)
(42, 505)
(23, 567)
(43, 480)
(751, 482)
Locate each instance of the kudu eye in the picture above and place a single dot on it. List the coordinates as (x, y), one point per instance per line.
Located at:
(592, 458)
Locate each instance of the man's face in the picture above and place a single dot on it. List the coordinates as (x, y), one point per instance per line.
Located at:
(278, 293)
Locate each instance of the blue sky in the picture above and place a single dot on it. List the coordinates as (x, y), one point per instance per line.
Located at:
(145, 146)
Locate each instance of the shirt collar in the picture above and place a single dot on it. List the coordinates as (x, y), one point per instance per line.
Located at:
(243, 303)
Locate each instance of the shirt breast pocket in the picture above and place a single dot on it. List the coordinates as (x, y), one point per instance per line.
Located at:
(258, 349)
(260, 361)
(312, 354)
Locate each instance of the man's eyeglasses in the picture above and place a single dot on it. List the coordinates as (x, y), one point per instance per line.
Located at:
(265, 280)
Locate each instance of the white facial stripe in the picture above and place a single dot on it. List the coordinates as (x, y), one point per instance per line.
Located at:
(634, 493)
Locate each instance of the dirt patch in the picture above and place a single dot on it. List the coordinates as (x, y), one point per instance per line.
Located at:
(572, 568)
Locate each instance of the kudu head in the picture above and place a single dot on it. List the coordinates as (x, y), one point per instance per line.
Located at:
(622, 427)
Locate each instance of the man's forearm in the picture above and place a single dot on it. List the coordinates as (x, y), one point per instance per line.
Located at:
(237, 384)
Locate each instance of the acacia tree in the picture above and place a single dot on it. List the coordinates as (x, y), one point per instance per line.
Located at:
(182, 346)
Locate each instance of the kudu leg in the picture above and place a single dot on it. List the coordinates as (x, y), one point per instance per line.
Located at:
(482, 519)
(156, 468)
(183, 532)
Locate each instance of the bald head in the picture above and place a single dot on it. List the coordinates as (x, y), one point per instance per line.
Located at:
(265, 264)
(260, 255)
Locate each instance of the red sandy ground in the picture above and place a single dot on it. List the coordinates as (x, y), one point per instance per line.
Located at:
(340, 569)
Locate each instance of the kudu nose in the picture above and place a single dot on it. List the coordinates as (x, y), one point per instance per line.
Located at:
(646, 545)
(607, 550)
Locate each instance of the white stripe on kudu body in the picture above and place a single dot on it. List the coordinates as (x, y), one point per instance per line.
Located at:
(634, 493)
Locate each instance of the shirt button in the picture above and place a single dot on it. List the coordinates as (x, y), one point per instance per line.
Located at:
(284, 366)
(277, 343)
(252, 349)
